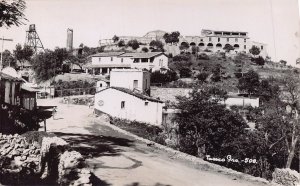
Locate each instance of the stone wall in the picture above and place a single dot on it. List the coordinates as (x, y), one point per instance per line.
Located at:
(286, 177)
(25, 162)
(169, 94)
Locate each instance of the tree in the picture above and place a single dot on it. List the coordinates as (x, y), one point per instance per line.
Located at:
(115, 39)
(185, 72)
(228, 48)
(249, 82)
(23, 54)
(254, 50)
(145, 49)
(184, 46)
(205, 126)
(216, 73)
(260, 61)
(49, 63)
(12, 13)
(8, 59)
(283, 62)
(134, 44)
(158, 77)
(195, 49)
(157, 45)
(172, 38)
(202, 76)
(121, 43)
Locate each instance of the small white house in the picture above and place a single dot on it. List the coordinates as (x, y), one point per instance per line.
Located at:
(102, 83)
(133, 79)
(241, 101)
(128, 104)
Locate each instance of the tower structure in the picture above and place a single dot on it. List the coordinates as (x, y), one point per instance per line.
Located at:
(33, 40)
(69, 39)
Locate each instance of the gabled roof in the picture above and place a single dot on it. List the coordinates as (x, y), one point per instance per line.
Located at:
(107, 54)
(133, 93)
(141, 55)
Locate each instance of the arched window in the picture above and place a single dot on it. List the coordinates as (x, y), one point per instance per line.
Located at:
(219, 45)
(201, 45)
(192, 44)
(210, 45)
(236, 46)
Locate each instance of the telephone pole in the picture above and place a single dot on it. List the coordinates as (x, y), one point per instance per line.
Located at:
(1, 60)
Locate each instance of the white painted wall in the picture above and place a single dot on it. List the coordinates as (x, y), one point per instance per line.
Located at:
(125, 78)
(155, 65)
(101, 85)
(240, 101)
(135, 108)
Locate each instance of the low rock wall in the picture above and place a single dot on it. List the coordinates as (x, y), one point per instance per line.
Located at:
(52, 162)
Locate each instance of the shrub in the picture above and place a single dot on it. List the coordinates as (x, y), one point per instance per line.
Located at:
(185, 72)
(203, 56)
(202, 76)
(181, 57)
(158, 77)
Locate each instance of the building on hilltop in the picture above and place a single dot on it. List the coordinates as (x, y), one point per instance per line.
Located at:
(215, 41)
(103, 63)
(207, 40)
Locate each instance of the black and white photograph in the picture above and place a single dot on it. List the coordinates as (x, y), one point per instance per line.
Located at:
(150, 92)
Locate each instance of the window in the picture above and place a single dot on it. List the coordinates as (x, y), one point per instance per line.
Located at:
(245, 47)
(99, 59)
(122, 104)
(136, 60)
(135, 83)
(122, 60)
(144, 60)
(227, 39)
(111, 58)
(201, 40)
(219, 39)
(209, 38)
(236, 39)
(245, 40)
(100, 84)
(146, 103)
(160, 62)
(261, 47)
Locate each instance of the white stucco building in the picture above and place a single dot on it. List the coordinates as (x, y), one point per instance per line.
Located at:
(103, 63)
(215, 40)
(128, 97)
(133, 79)
(130, 105)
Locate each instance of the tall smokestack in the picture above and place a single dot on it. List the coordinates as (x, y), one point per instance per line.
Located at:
(69, 39)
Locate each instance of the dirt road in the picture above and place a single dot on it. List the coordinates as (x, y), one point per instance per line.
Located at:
(118, 159)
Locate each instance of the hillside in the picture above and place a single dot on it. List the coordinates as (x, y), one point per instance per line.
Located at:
(229, 67)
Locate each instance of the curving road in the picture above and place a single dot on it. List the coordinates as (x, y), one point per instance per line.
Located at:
(118, 159)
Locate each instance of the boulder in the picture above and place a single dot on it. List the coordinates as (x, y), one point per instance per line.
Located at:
(286, 177)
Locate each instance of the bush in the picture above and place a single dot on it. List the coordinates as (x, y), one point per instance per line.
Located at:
(145, 49)
(181, 57)
(158, 77)
(203, 56)
(202, 76)
(185, 72)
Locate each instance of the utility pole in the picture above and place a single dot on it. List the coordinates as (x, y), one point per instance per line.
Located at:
(1, 60)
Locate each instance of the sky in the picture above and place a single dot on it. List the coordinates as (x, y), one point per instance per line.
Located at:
(274, 22)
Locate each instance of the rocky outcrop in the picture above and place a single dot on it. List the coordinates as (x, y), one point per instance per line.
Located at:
(51, 162)
(286, 177)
